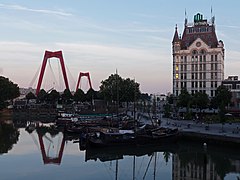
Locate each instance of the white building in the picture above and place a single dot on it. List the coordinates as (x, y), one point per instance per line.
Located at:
(198, 58)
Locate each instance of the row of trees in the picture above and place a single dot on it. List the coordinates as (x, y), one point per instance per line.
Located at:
(8, 91)
(113, 89)
(200, 100)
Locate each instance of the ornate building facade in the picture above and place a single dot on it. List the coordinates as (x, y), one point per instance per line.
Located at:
(198, 57)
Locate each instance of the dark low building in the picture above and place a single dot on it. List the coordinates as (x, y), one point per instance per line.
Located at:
(233, 84)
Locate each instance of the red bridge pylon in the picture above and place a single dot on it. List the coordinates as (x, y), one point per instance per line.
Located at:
(87, 74)
(49, 54)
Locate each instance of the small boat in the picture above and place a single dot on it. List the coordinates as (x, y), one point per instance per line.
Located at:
(111, 137)
(157, 135)
(66, 119)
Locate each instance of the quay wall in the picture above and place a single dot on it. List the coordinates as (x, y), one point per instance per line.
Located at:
(217, 139)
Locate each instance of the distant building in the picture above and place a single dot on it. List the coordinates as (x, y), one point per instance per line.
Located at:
(233, 84)
(198, 58)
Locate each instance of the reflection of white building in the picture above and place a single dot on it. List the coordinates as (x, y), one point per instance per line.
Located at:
(192, 171)
(198, 58)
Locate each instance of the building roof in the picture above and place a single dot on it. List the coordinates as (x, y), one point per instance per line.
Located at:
(199, 29)
(176, 37)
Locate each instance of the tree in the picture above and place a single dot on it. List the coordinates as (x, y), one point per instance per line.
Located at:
(90, 95)
(184, 99)
(8, 91)
(67, 96)
(79, 96)
(42, 96)
(222, 99)
(200, 100)
(117, 89)
(53, 96)
(30, 95)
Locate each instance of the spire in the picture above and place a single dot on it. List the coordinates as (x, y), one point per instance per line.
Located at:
(176, 37)
(185, 22)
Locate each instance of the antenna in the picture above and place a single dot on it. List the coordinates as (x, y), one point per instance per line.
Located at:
(211, 12)
(185, 17)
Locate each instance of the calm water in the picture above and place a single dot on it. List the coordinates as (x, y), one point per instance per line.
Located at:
(45, 154)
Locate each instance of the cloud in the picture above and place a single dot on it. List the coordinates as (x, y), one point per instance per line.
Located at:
(43, 11)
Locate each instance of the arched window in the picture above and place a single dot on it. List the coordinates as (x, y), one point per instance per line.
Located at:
(202, 51)
(194, 52)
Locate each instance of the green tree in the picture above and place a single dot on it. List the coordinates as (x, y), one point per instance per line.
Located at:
(91, 94)
(53, 96)
(67, 96)
(30, 95)
(129, 91)
(184, 99)
(42, 96)
(201, 101)
(8, 91)
(222, 99)
(115, 88)
(79, 96)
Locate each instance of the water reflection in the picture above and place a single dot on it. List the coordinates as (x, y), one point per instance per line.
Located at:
(208, 163)
(182, 160)
(8, 136)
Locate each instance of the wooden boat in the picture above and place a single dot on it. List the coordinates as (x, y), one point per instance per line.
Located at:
(141, 136)
(111, 137)
(157, 135)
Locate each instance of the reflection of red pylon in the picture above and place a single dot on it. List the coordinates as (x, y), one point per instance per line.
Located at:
(79, 79)
(50, 160)
(48, 54)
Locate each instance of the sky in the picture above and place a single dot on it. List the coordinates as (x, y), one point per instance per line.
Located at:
(133, 37)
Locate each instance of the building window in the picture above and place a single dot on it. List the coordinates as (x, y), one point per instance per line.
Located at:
(211, 66)
(204, 75)
(176, 84)
(185, 84)
(215, 84)
(216, 57)
(194, 52)
(192, 67)
(192, 58)
(200, 84)
(185, 75)
(204, 84)
(212, 58)
(238, 86)
(185, 59)
(196, 75)
(200, 67)
(212, 93)
(192, 84)
(215, 66)
(192, 75)
(196, 58)
(176, 76)
(185, 67)
(176, 67)
(196, 67)
(200, 58)
(200, 75)
(211, 84)
(204, 58)
(204, 67)
(181, 75)
(196, 84)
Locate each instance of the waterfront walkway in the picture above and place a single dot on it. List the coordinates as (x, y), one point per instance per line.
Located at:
(225, 131)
